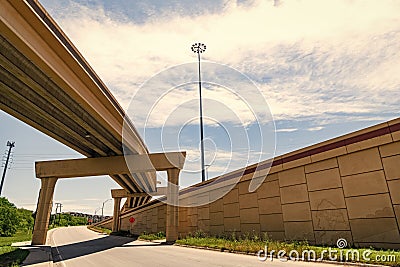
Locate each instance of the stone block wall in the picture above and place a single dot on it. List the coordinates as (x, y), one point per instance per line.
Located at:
(347, 187)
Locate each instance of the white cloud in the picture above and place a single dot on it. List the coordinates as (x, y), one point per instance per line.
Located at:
(318, 128)
(310, 58)
(286, 130)
(220, 162)
(179, 106)
(324, 61)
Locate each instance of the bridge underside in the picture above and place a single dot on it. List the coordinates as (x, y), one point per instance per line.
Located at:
(45, 82)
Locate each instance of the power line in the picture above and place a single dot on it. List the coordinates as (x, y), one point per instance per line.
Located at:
(11, 145)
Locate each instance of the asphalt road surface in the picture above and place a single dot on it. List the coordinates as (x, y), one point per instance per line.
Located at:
(78, 246)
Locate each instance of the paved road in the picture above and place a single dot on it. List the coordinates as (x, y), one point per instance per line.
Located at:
(78, 246)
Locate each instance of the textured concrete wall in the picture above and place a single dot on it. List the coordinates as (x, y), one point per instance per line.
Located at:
(348, 187)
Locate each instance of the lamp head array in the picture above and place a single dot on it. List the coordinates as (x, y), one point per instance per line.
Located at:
(198, 48)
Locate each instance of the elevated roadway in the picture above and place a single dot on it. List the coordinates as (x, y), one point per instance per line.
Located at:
(46, 82)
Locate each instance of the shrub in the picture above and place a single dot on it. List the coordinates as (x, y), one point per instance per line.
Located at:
(9, 219)
(26, 219)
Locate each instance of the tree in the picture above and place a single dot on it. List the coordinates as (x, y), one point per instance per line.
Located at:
(26, 219)
(69, 220)
(9, 219)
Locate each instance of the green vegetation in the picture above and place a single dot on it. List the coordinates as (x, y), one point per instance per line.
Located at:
(100, 229)
(19, 236)
(64, 219)
(12, 256)
(15, 226)
(252, 245)
(12, 219)
(151, 237)
(8, 218)
(26, 219)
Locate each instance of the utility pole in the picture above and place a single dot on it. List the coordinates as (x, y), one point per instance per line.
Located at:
(52, 218)
(58, 205)
(11, 145)
(199, 48)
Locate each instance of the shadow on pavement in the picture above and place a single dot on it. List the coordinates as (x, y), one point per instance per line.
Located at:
(84, 248)
(13, 257)
(37, 254)
(42, 254)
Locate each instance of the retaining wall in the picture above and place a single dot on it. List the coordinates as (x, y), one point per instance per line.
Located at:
(347, 187)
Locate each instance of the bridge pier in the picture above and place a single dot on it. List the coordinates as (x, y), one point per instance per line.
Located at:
(117, 211)
(172, 195)
(172, 221)
(172, 162)
(43, 211)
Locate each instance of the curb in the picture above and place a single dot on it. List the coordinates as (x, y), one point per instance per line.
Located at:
(255, 254)
(153, 241)
(96, 230)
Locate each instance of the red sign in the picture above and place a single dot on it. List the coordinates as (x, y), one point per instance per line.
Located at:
(131, 220)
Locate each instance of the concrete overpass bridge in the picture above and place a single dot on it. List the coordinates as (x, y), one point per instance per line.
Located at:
(46, 83)
(347, 187)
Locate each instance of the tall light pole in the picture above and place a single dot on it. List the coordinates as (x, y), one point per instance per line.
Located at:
(11, 145)
(96, 210)
(200, 48)
(94, 216)
(102, 208)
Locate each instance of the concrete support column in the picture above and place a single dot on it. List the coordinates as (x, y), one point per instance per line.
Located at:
(43, 211)
(172, 206)
(117, 210)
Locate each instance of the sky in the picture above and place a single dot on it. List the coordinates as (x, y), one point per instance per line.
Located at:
(308, 70)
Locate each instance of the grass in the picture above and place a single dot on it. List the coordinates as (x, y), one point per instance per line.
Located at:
(12, 256)
(151, 237)
(254, 244)
(109, 232)
(19, 236)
